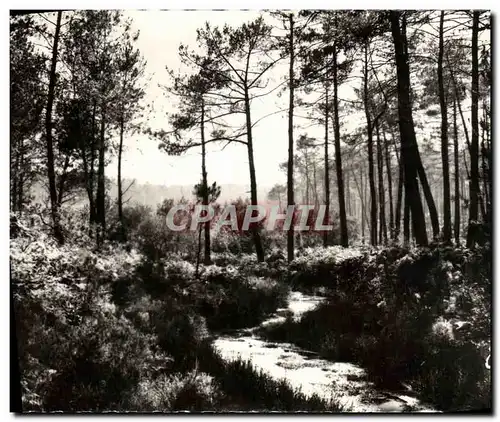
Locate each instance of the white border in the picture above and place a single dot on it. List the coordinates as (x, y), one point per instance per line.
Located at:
(185, 4)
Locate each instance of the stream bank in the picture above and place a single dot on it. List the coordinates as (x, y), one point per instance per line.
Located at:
(344, 382)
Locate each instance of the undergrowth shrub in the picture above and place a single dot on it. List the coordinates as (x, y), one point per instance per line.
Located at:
(192, 391)
(230, 300)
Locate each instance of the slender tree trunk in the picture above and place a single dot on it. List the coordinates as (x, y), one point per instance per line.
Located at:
(406, 220)
(457, 174)
(344, 241)
(371, 169)
(366, 199)
(429, 199)
(308, 182)
(459, 105)
(101, 194)
(120, 190)
(259, 250)
(472, 233)
(315, 184)
(20, 185)
(490, 164)
(14, 184)
(363, 210)
(399, 197)
(290, 197)
(360, 187)
(444, 137)
(48, 136)
(484, 169)
(399, 201)
(327, 175)
(486, 164)
(62, 181)
(198, 250)
(389, 183)
(92, 198)
(207, 258)
(88, 185)
(484, 156)
(467, 173)
(348, 193)
(409, 156)
(16, 177)
(483, 197)
(380, 172)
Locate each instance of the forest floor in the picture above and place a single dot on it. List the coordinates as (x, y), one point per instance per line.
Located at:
(357, 329)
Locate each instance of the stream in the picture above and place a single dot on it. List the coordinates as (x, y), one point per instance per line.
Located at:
(345, 382)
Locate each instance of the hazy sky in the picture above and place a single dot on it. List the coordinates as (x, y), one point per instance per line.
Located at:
(161, 32)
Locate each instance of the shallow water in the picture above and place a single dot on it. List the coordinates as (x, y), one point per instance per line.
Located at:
(342, 381)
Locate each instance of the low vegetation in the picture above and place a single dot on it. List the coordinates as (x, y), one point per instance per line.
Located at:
(419, 316)
(116, 330)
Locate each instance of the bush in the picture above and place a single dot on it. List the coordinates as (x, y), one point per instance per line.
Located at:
(192, 391)
(77, 352)
(233, 301)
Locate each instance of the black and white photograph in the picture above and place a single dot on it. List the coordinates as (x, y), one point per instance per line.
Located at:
(250, 211)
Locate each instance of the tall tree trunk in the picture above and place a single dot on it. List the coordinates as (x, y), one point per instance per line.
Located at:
(399, 200)
(120, 190)
(380, 172)
(363, 209)
(48, 136)
(259, 250)
(366, 199)
(399, 197)
(198, 250)
(459, 105)
(472, 233)
(490, 163)
(344, 241)
(14, 184)
(62, 181)
(371, 169)
(308, 182)
(315, 184)
(429, 199)
(88, 186)
(92, 196)
(290, 248)
(16, 177)
(389, 184)
(444, 137)
(101, 194)
(360, 187)
(483, 197)
(20, 184)
(327, 175)
(406, 220)
(457, 174)
(207, 259)
(486, 164)
(348, 193)
(409, 150)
